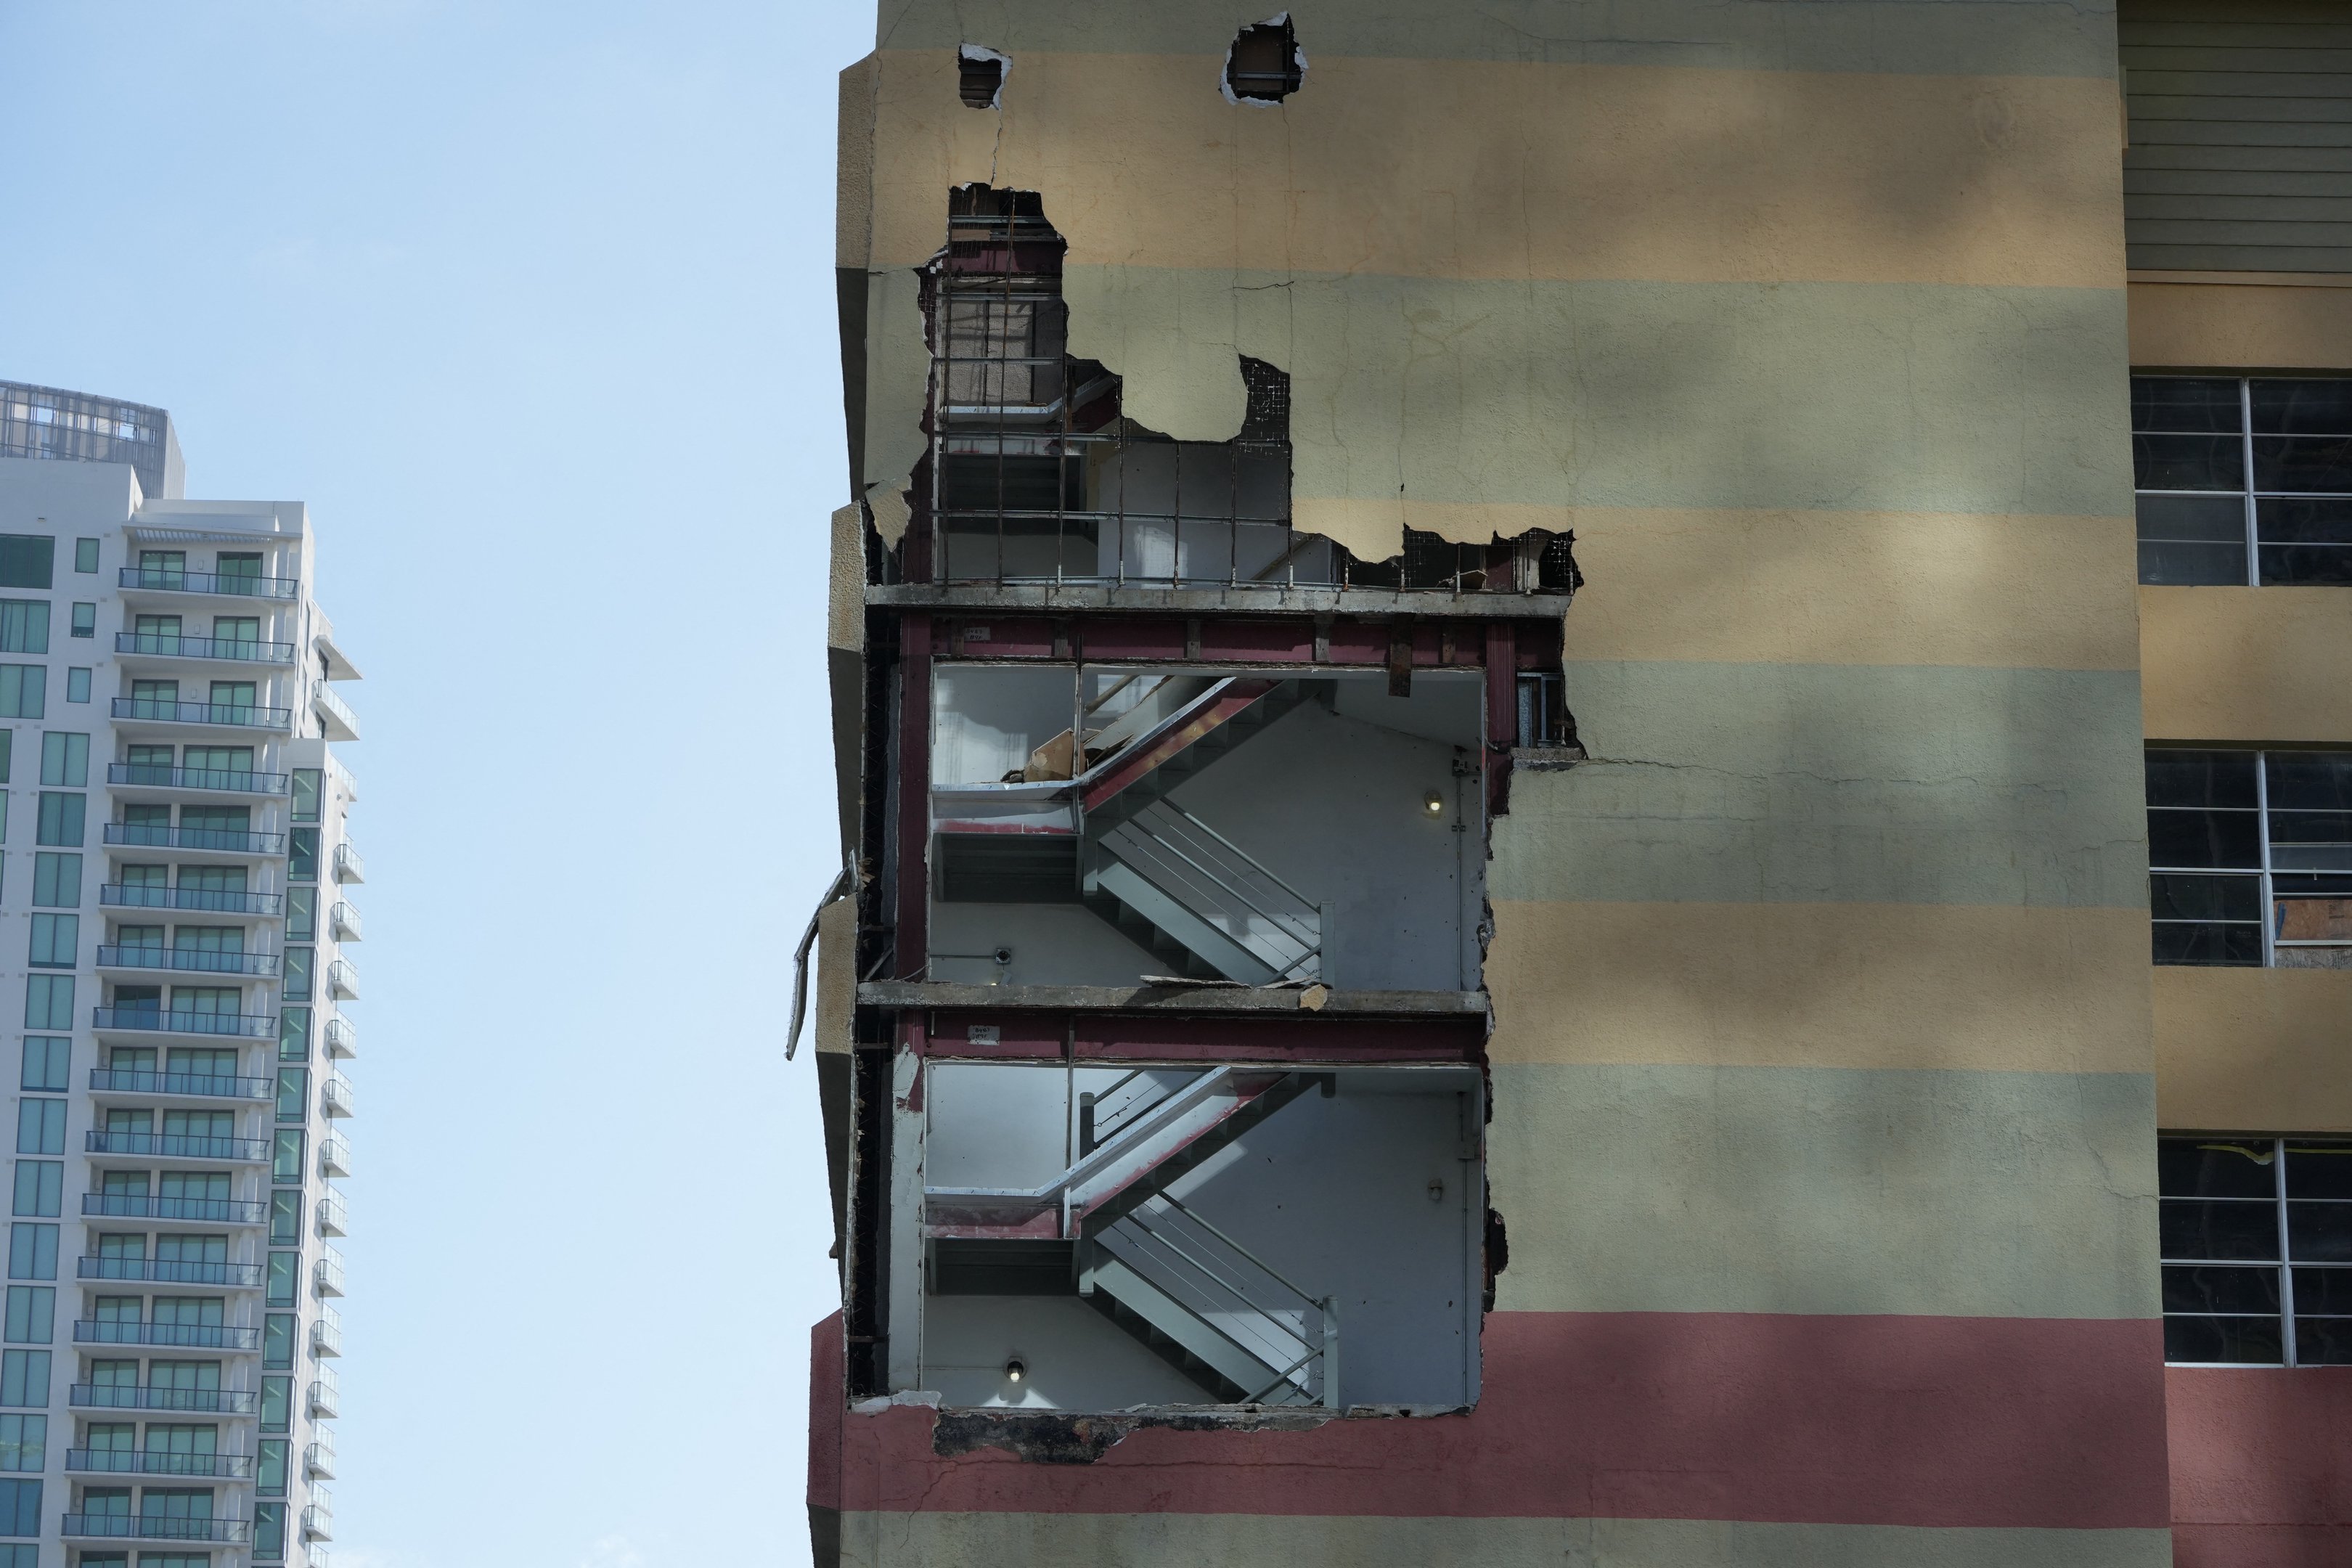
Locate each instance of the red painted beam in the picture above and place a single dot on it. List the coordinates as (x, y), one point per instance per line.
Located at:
(1282, 1040)
(2261, 1466)
(914, 824)
(1229, 705)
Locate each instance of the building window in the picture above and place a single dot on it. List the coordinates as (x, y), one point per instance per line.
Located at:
(32, 1251)
(56, 941)
(45, 1060)
(49, 1001)
(277, 1404)
(302, 855)
(301, 915)
(85, 556)
(2250, 857)
(64, 759)
(24, 1377)
(20, 1507)
(40, 1188)
(285, 1272)
(2257, 1247)
(57, 879)
(76, 685)
(60, 821)
(278, 1340)
(26, 561)
(305, 795)
(286, 1217)
(85, 620)
(270, 1518)
(31, 1315)
(22, 687)
(24, 1442)
(293, 1093)
(24, 626)
(40, 1126)
(2242, 481)
(285, 1159)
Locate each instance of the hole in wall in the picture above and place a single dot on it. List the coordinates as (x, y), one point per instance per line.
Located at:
(979, 76)
(1265, 65)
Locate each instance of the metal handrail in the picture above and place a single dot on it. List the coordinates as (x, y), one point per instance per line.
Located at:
(171, 711)
(175, 1145)
(348, 866)
(333, 1216)
(210, 901)
(171, 1336)
(1327, 1306)
(146, 836)
(159, 1462)
(345, 921)
(155, 775)
(342, 1038)
(1287, 924)
(153, 1527)
(238, 1026)
(174, 645)
(135, 1396)
(123, 1080)
(1101, 1155)
(199, 1211)
(157, 579)
(342, 977)
(1251, 1257)
(169, 1270)
(186, 960)
(335, 1150)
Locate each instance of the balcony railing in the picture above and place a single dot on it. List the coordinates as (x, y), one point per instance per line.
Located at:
(327, 1333)
(223, 781)
(335, 1155)
(204, 901)
(342, 1041)
(130, 1397)
(187, 959)
(176, 1146)
(152, 1527)
(157, 1462)
(235, 715)
(196, 1085)
(326, 1398)
(345, 921)
(335, 1097)
(319, 1458)
(232, 1025)
(349, 866)
(170, 1336)
(193, 1211)
(155, 580)
(334, 1219)
(317, 1524)
(171, 1271)
(172, 644)
(327, 1273)
(160, 836)
(341, 724)
(342, 981)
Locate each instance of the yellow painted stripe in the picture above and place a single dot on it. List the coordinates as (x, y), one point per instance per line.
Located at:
(2254, 666)
(1829, 985)
(2253, 1050)
(1491, 169)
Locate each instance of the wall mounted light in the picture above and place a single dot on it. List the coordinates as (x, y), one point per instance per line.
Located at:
(1016, 1369)
(1434, 803)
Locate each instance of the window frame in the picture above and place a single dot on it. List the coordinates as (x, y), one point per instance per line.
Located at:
(2285, 1263)
(2264, 874)
(2250, 494)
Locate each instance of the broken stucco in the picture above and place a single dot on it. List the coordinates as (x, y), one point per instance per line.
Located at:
(1428, 306)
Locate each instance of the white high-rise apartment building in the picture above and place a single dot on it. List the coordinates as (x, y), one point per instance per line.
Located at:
(175, 875)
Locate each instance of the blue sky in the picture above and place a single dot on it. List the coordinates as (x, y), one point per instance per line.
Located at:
(532, 304)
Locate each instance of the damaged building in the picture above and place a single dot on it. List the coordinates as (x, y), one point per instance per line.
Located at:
(1341, 1040)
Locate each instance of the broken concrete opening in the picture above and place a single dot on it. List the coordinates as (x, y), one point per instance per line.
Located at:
(1265, 65)
(979, 76)
(1034, 475)
(1180, 1235)
(1255, 827)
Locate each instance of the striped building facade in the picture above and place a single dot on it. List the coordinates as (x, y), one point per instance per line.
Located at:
(1824, 1063)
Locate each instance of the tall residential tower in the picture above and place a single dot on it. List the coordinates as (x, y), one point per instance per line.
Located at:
(176, 874)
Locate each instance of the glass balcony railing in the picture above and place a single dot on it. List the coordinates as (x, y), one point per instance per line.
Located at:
(345, 921)
(327, 1273)
(318, 1522)
(131, 1397)
(342, 981)
(143, 1020)
(349, 866)
(236, 715)
(172, 644)
(151, 1527)
(198, 1085)
(176, 1146)
(327, 1331)
(193, 1211)
(335, 1096)
(157, 579)
(342, 724)
(225, 781)
(158, 1462)
(319, 1458)
(326, 1399)
(335, 1155)
(170, 1336)
(334, 1218)
(186, 960)
(203, 900)
(342, 1041)
(171, 1271)
(163, 836)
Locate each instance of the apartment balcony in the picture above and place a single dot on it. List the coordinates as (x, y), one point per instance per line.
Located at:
(151, 1462)
(122, 1083)
(171, 1271)
(343, 921)
(171, 646)
(338, 719)
(178, 1146)
(152, 711)
(349, 866)
(188, 961)
(326, 1395)
(342, 1041)
(167, 1336)
(146, 1023)
(236, 1212)
(205, 843)
(319, 1458)
(151, 1527)
(342, 981)
(335, 1155)
(327, 1333)
(199, 900)
(327, 1273)
(139, 583)
(332, 1217)
(154, 779)
(335, 1096)
(131, 1397)
(318, 1523)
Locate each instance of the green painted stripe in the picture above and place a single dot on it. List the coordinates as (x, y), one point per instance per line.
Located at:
(1312, 1540)
(1688, 1189)
(1983, 38)
(1737, 782)
(1848, 396)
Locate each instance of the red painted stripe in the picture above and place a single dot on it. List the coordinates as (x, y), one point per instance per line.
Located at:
(826, 1412)
(2262, 1545)
(2255, 1448)
(1949, 1422)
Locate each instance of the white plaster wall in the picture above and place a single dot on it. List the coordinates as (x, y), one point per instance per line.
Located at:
(1053, 944)
(1075, 1358)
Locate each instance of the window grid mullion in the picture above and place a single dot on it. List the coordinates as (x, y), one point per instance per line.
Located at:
(2246, 455)
(2286, 1261)
(2263, 844)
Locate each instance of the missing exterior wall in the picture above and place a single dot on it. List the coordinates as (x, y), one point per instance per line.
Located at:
(979, 76)
(1264, 64)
